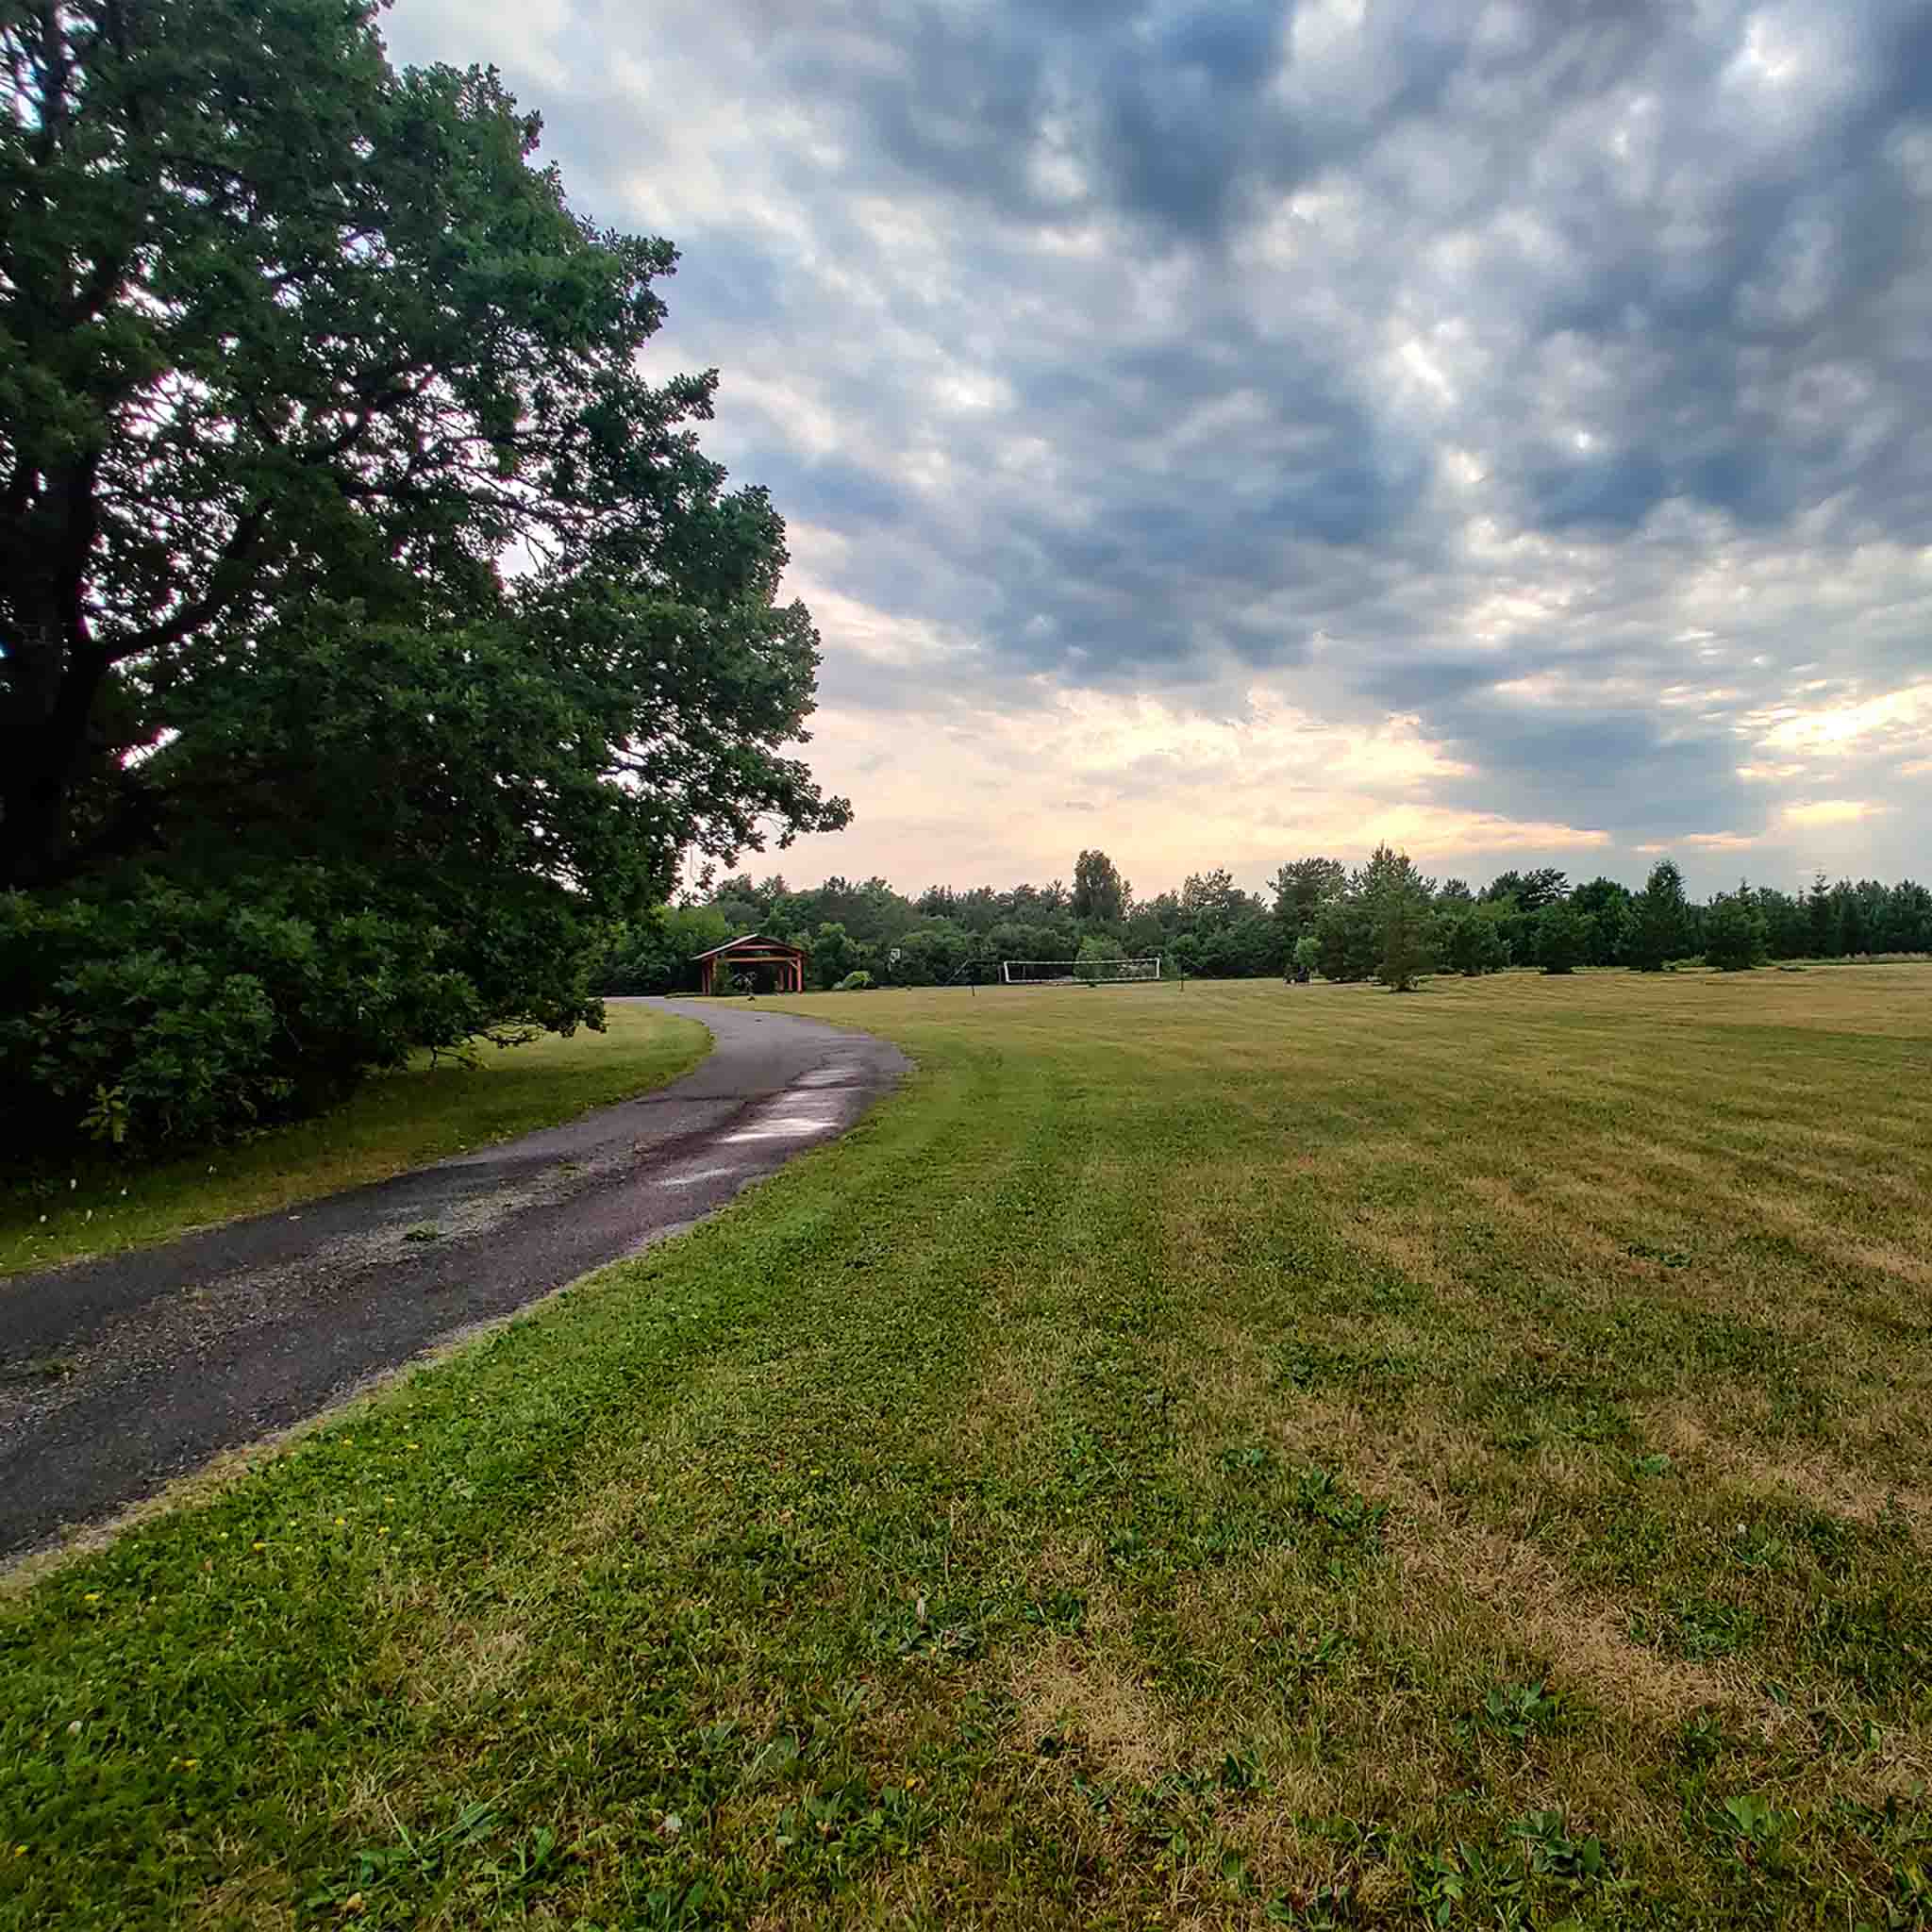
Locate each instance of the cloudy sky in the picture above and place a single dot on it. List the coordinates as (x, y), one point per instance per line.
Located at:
(1223, 433)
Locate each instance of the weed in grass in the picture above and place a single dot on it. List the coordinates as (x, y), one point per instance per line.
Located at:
(1701, 1741)
(1324, 1909)
(1064, 1611)
(1516, 1713)
(1701, 1627)
(1753, 1832)
(393, 1883)
(1552, 1854)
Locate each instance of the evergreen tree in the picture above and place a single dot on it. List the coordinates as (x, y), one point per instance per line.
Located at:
(1656, 927)
(1397, 899)
(1471, 941)
(1562, 936)
(1818, 909)
(1735, 934)
(1604, 903)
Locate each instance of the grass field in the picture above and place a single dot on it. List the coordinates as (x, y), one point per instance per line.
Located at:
(1219, 1457)
(398, 1121)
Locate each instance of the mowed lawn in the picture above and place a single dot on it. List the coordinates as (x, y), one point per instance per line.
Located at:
(397, 1121)
(1222, 1455)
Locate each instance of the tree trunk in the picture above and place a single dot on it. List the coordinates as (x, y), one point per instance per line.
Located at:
(50, 696)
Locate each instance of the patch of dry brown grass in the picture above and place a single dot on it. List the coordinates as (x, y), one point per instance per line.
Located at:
(1697, 1432)
(1074, 1687)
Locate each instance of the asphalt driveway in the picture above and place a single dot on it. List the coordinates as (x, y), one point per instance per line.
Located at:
(120, 1374)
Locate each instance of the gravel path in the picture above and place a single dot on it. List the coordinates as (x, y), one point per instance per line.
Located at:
(120, 1374)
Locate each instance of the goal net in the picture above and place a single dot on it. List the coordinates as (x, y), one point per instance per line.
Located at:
(1078, 972)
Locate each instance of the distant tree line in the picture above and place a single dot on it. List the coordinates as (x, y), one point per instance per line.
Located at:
(1383, 920)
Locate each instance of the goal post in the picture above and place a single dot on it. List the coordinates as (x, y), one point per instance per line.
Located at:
(1080, 971)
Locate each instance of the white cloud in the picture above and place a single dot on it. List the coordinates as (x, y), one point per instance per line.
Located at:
(1703, 841)
(1468, 430)
(1830, 729)
(1832, 812)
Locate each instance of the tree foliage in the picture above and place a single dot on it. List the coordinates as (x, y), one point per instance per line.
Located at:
(1531, 890)
(1101, 896)
(1604, 903)
(1210, 927)
(1301, 886)
(293, 349)
(1471, 939)
(165, 1014)
(1562, 936)
(1656, 927)
(1736, 935)
(1397, 898)
(1096, 951)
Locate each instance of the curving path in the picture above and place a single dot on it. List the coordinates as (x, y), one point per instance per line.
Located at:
(119, 1374)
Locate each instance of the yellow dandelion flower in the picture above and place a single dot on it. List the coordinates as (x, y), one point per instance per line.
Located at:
(94, 1596)
(339, 1521)
(258, 1546)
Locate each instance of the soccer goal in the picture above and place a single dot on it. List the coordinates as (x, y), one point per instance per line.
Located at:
(1079, 971)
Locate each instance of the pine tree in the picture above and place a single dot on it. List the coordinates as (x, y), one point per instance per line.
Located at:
(1735, 935)
(1398, 898)
(1658, 925)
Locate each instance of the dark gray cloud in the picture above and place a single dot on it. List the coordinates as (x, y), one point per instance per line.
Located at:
(1552, 375)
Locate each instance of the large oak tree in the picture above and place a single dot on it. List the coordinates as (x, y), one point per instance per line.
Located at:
(353, 576)
(279, 323)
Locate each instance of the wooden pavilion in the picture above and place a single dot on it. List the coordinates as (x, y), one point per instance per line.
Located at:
(750, 949)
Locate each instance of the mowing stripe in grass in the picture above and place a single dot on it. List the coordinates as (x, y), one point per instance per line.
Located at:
(1201, 1463)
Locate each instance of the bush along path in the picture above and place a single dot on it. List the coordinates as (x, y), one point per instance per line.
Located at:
(118, 1374)
(78, 1210)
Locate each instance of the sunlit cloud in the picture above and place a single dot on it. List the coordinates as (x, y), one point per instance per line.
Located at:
(1702, 841)
(1831, 727)
(1832, 812)
(995, 789)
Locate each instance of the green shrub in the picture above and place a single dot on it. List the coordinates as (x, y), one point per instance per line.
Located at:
(164, 1013)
